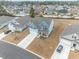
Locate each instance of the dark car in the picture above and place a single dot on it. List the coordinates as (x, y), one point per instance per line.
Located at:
(7, 32)
(60, 48)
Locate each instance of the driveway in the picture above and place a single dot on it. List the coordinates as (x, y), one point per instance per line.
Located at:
(2, 35)
(27, 40)
(64, 52)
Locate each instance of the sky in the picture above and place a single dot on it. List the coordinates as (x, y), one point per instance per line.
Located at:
(41, 0)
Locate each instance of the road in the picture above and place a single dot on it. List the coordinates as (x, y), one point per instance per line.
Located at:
(9, 51)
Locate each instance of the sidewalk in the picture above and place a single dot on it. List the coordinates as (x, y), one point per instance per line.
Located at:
(2, 35)
(27, 40)
(65, 52)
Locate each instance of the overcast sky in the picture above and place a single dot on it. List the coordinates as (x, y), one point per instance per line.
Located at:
(40, 0)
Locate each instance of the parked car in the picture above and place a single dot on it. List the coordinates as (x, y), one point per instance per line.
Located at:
(60, 48)
(7, 32)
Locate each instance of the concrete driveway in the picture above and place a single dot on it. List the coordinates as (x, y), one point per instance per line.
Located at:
(2, 35)
(65, 51)
(27, 40)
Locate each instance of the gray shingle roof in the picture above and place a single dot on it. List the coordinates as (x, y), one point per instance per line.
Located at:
(23, 22)
(4, 19)
(37, 22)
(63, 11)
(18, 26)
(72, 29)
(9, 51)
(40, 23)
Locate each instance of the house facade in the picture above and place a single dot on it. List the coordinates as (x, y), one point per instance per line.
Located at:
(41, 25)
(17, 25)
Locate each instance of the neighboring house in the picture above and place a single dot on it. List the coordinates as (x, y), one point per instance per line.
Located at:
(17, 25)
(71, 33)
(18, 10)
(4, 20)
(37, 9)
(58, 7)
(43, 26)
(49, 10)
(21, 13)
(63, 11)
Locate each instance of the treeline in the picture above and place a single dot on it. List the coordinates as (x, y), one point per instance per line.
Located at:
(4, 12)
(38, 2)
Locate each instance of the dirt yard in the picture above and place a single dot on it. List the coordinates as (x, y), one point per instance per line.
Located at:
(46, 47)
(74, 55)
(3, 29)
(16, 37)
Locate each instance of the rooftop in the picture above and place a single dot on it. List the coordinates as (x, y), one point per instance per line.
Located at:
(4, 19)
(71, 29)
(37, 22)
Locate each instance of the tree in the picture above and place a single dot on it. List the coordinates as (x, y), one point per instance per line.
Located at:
(32, 14)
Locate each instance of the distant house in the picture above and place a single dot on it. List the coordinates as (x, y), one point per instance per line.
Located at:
(4, 20)
(49, 10)
(37, 9)
(63, 11)
(43, 26)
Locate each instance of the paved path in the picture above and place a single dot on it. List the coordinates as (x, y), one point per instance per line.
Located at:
(2, 35)
(65, 52)
(27, 40)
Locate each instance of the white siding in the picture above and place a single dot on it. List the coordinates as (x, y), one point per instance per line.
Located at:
(33, 30)
(11, 27)
(51, 27)
(19, 29)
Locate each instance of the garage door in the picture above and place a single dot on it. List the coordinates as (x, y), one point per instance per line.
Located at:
(33, 30)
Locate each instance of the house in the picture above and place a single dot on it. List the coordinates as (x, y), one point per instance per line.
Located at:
(43, 26)
(63, 11)
(17, 25)
(37, 9)
(4, 20)
(49, 10)
(71, 34)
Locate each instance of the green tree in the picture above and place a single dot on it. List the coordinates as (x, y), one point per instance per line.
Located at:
(32, 14)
